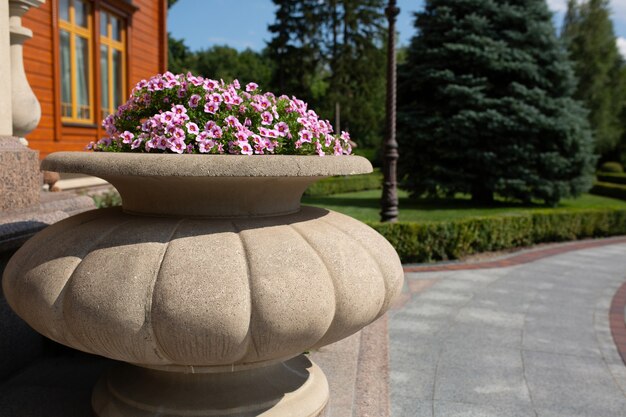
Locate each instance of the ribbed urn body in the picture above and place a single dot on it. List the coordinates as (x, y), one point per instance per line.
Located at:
(195, 288)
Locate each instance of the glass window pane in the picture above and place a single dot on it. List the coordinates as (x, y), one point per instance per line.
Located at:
(116, 28)
(81, 13)
(103, 24)
(82, 78)
(118, 81)
(104, 77)
(64, 10)
(66, 75)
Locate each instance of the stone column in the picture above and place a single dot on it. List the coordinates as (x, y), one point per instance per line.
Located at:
(6, 121)
(26, 108)
(20, 179)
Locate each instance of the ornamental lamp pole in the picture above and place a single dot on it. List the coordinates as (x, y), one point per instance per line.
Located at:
(389, 202)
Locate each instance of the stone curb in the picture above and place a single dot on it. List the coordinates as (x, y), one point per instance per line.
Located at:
(617, 320)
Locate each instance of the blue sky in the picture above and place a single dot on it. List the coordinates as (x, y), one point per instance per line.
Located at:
(243, 24)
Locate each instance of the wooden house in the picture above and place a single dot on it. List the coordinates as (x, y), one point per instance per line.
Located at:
(83, 60)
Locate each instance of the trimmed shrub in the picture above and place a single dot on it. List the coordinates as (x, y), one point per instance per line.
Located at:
(345, 184)
(612, 167)
(608, 189)
(107, 199)
(426, 242)
(612, 178)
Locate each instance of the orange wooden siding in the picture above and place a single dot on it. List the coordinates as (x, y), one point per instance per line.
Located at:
(147, 55)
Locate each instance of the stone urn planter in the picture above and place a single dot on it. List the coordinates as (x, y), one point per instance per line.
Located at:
(208, 284)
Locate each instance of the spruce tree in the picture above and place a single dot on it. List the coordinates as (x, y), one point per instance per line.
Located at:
(295, 48)
(591, 42)
(485, 105)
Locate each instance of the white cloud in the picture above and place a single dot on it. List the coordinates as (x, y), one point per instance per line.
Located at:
(619, 9)
(557, 5)
(621, 45)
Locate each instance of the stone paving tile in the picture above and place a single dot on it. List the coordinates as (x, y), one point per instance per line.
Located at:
(456, 409)
(543, 336)
(491, 317)
(476, 334)
(414, 381)
(556, 412)
(445, 297)
(575, 384)
(481, 374)
(406, 406)
(528, 340)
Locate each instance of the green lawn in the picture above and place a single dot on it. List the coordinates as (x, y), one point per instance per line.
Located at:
(365, 206)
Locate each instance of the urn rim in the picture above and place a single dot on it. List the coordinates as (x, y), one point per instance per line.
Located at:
(103, 164)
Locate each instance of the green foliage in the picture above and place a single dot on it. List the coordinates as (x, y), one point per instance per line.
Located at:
(180, 59)
(224, 62)
(426, 242)
(591, 42)
(608, 189)
(220, 62)
(345, 184)
(485, 105)
(332, 54)
(611, 167)
(295, 48)
(107, 199)
(356, 53)
(372, 154)
(612, 178)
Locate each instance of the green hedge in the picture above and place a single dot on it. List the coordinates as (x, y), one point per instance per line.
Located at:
(425, 242)
(608, 189)
(345, 184)
(611, 167)
(612, 178)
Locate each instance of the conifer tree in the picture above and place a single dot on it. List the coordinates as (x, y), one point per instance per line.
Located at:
(485, 105)
(591, 43)
(295, 47)
(355, 47)
(332, 52)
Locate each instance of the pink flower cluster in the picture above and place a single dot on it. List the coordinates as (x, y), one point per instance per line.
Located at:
(191, 114)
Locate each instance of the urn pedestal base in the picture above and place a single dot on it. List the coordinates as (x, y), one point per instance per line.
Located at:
(294, 388)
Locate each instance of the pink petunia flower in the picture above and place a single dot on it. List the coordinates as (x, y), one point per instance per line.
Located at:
(215, 98)
(216, 132)
(251, 87)
(177, 145)
(136, 143)
(242, 135)
(282, 128)
(127, 137)
(162, 143)
(245, 147)
(206, 146)
(192, 128)
(179, 109)
(266, 118)
(211, 107)
(210, 85)
(305, 136)
(194, 100)
(232, 121)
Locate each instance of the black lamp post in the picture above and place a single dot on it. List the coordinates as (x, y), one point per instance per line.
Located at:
(389, 201)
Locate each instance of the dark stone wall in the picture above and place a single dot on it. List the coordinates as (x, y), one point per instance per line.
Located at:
(19, 344)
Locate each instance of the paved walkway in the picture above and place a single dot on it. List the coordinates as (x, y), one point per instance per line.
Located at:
(526, 340)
